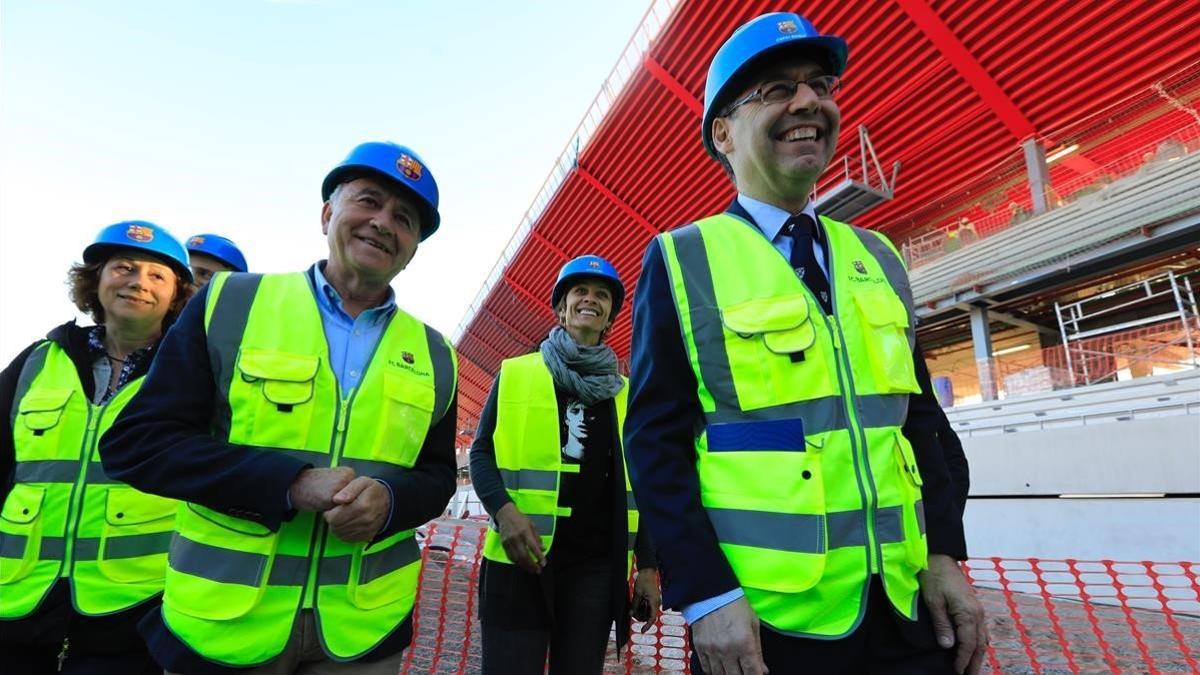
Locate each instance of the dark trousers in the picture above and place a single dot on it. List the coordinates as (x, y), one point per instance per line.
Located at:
(29, 661)
(884, 644)
(574, 627)
(96, 644)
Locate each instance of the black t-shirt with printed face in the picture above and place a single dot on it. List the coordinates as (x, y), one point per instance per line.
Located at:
(586, 436)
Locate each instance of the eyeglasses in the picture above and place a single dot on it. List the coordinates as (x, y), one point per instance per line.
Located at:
(780, 91)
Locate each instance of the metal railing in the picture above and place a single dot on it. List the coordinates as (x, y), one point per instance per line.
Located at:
(1157, 126)
(627, 65)
(1119, 356)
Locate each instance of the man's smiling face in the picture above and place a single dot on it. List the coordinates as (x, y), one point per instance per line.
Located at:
(373, 228)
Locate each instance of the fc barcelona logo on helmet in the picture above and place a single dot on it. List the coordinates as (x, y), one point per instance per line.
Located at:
(860, 267)
(140, 233)
(787, 27)
(410, 167)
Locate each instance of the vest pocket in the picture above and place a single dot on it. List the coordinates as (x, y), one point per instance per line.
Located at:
(20, 531)
(914, 516)
(219, 565)
(272, 394)
(408, 413)
(287, 379)
(384, 576)
(773, 348)
(885, 322)
(775, 539)
(38, 417)
(784, 322)
(135, 536)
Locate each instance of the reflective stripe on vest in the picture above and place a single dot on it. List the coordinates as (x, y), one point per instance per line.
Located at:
(807, 479)
(240, 567)
(234, 587)
(64, 517)
(529, 454)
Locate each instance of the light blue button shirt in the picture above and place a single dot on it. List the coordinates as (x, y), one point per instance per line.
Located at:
(352, 341)
(769, 219)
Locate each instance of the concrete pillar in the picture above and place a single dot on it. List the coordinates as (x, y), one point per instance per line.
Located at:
(1039, 173)
(981, 339)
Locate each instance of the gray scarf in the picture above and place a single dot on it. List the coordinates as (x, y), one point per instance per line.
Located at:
(587, 372)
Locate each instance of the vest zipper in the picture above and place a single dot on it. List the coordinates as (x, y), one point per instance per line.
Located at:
(858, 438)
(336, 444)
(320, 529)
(76, 498)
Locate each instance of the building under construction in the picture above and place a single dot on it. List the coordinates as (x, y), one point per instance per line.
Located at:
(1038, 165)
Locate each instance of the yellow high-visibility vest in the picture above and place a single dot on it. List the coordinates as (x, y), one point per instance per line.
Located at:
(809, 483)
(529, 453)
(233, 587)
(64, 518)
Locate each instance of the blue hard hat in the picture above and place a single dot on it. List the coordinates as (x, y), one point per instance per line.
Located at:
(220, 248)
(398, 164)
(754, 40)
(143, 236)
(589, 266)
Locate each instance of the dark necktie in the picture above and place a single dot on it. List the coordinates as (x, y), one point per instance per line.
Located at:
(802, 229)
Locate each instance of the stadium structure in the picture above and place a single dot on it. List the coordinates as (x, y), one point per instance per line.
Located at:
(1038, 165)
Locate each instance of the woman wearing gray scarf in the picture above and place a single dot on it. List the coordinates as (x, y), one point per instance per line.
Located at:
(548, 466)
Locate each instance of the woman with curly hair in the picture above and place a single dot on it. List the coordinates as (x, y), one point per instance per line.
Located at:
(82, 557)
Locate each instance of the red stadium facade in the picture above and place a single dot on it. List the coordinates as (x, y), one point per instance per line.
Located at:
(1047, 202)
(950, 90)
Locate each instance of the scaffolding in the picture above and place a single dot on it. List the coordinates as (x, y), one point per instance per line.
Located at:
(1084, 364)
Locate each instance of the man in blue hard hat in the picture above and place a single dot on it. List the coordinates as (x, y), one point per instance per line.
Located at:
(212, 253)
(308, 423)
(782, 432)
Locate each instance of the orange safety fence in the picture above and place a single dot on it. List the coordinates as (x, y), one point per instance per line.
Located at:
(1044, 616)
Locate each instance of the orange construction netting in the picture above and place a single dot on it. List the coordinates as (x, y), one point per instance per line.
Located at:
(1045, 616)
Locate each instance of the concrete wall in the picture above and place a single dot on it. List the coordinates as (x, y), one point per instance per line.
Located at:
(1162, 530)
(1139, 437)
(1137, 456)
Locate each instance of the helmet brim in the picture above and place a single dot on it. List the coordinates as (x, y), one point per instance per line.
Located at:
(236, 265)
(430, 220)
(99, 253)
(564, 284)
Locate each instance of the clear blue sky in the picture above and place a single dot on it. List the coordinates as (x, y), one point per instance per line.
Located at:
(225, 115)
